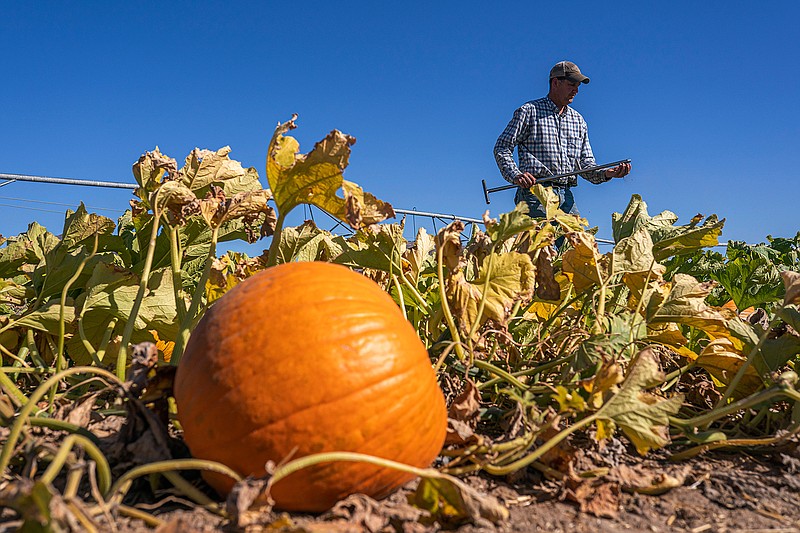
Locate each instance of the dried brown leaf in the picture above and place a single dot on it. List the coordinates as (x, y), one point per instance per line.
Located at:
(249, 503)
(547, 288)
(596, 496)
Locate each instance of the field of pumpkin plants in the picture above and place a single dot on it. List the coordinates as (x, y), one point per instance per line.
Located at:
(144, 372)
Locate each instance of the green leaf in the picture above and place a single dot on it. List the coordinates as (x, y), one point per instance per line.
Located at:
(668, 240)
(378, 247)
(791, 315)
(46, 318)
(636, 217)
(777, 352)
(643, 417)
(80, 226)
(681, 240)
(510, 224)
(294, 238)
(750, 281)
(23, 252)
(511, 279)
(112, 293)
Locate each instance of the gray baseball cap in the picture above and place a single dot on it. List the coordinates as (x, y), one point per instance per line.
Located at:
(569, 70)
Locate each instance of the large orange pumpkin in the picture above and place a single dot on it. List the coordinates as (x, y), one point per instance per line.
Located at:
(304, 358)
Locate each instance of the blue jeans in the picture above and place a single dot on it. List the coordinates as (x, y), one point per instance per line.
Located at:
(536, 210)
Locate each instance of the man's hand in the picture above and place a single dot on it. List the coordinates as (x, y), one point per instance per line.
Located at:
(526, 179)
(618, 171)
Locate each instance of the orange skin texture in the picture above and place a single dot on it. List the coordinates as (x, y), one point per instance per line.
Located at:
(304, 358)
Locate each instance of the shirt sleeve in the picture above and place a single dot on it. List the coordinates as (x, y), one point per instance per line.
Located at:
(587, 160)
(512, 136)
(504, 147)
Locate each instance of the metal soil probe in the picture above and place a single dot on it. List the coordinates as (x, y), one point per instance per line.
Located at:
(548, 179)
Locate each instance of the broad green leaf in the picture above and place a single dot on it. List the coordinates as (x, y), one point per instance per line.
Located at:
(322, 247)
(80, 225)
(510, 224)
(511, 279)
(597, 349)
(294, 238)
(46, 318)
(61, 264)
(685, 304)
(750, 281)
(112, 293)
(777, 352)
(378, 247)
(315, 178)
(636, 217)
(582, 263)
(643, 417)
(687, 239)
(791, 315)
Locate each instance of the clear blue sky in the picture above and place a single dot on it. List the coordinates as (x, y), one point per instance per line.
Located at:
(702, 96)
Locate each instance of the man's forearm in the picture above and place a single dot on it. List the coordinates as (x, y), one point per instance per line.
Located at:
(505, 162)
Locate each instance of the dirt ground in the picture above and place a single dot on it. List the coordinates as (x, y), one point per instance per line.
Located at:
(718, 493)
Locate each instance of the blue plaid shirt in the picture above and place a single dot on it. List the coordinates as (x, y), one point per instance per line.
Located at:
(547, 144)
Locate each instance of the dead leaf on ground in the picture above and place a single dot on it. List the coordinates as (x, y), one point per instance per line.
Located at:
(595, 495)
(467, 404)
(249, 503)
(370, 515)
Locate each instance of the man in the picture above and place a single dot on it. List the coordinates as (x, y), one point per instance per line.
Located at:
(551, 138)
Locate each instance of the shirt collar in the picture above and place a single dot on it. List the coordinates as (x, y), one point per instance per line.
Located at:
(554, 108)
